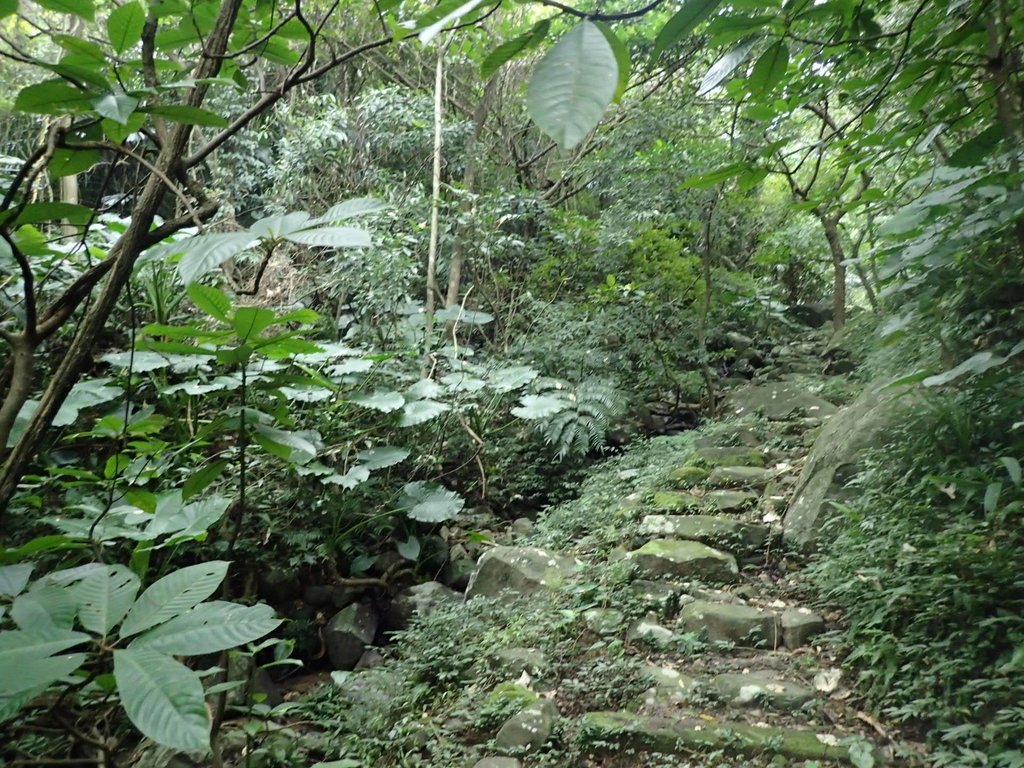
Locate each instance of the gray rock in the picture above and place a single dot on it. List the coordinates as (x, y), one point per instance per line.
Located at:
(670, 686)
(459, 568)
(348, 633)
(656, 595)
(687, 559)
(530, 728)
(799, 625)
(730, 456)
(343, 595)
(498, 762)
(723, 622)
(748, 477)
(422, 599)
(522, 526)
(835, 459)
(371, 659)
(515, 661)
(778, 401)
(519, 570)
(722, 501)
(648, 628)
(708, 529)
(761, 689)
(258, 687)
(603, 621)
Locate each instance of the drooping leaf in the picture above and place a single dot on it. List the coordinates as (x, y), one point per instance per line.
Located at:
(30, 672)
(382, 457)
(510, 49)
(721, 70)
(458, 314)
(181, 113)
(124, 26)
(715, 177)
(770, 68)
(621, 59)
(418, 412)
(250, 322)
(429, 32)
(975, 150)
(85, 394)
(209, 628)
(573, 85)
(972, 366)
(163, 698)
(45, 606)
(104, 598)
(1012, 468)
(183, 521)
(200, 481)
(203, 253)
(13, 579)
(384, 401)
(424, 389)
(332, 237)
(409, 549)
(52, 97)
(359, 206)
(682, 24)
(280, 225)
(292, 446)
(431, 503)
(82, 8)
(513, 378)
(69, 162)
(209, 299)
(33, 213)
(539, 406)
(174, 594)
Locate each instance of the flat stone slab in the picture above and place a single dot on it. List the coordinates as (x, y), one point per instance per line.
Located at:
(518, 570)
(685, 735)
(730, 456)
(498, 762)
(603, 621)
(689, 475)
(722, 501)
(731, 623)
(687, 559)
(530, 728)
(779, 401)
(748, 477)
(756, 689)
(656, 594)
(649, 629)
(799, 626)
(727, 532)
(670, 686)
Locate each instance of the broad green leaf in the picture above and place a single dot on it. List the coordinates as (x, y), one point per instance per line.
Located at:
(278, 226)
(104, 598)
(178, 113)
(211, 300)
(52, 97)
(510, 379)
(13, 579)
(508, 50)
(974, 151)
(203, 253)
(124, 26)
(382, 457)
(992, 493)
(332, 237)
(304, 316)
(173, 595)
(85, 394)
(115, 106)
(539, 406)
(163, 698)
(200, 481)
(573, 85)
(682, 24)
(462, 382)
(359, 206)
(356, 475)
(118, 133)
(33, 213)
(183, 521)
(209, 628)
(431, 503)
(277, 51)
(31, 673)
(8, 7)
(424, 389)
(430, 32)
(716, 177)
(621, 59)
(38, 643)
(1012, 468)
(972, 366)
(769, 69)
(250, 322)
(292, 446)
(721, 70)
(70, 162)
(44, 607)
(384, 401)
(457, 314)
(410, 548)
(421, 411)
(81, 8)
(283, 347)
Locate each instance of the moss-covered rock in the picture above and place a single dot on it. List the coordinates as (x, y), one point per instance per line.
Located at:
(518, 570)
(687, 559)
(726, 622)
(726, 532)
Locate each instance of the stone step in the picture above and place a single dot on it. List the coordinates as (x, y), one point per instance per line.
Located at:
(745, 477)
(721, 501)
(723, 532)
(749, 626)
(683, 736)
(761, 689)
(730, 456)
(659, 558)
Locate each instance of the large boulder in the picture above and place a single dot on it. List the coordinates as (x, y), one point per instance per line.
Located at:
(778, 401)
(348, 633)
(530, 728)
(835, 458)
(687, 559)
(518, 570)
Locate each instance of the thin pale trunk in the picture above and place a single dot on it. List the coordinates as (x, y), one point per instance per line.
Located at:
(835, 246)
(69, 194)
(435, 206)
(705, 311)
(468, 185)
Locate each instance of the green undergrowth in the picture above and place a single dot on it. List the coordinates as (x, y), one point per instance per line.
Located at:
(928, 566)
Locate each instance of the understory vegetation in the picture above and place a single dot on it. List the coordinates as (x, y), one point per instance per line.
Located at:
(302, 304)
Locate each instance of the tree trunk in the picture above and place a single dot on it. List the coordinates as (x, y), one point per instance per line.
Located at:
(123, 257)
(835, 246)
(435, 208)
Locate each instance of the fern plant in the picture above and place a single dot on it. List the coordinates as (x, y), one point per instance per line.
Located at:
(572, 418)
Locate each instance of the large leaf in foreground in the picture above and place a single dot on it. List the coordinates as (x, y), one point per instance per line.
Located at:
(573, 85)
(174, 594)
(209, 628)
(163, 698)
(105, 597)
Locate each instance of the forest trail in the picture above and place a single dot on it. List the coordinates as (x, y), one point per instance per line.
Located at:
(697, 598)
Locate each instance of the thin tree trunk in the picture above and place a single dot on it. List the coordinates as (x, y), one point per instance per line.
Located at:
(835, 246)
(69, 194)
(435, 206)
